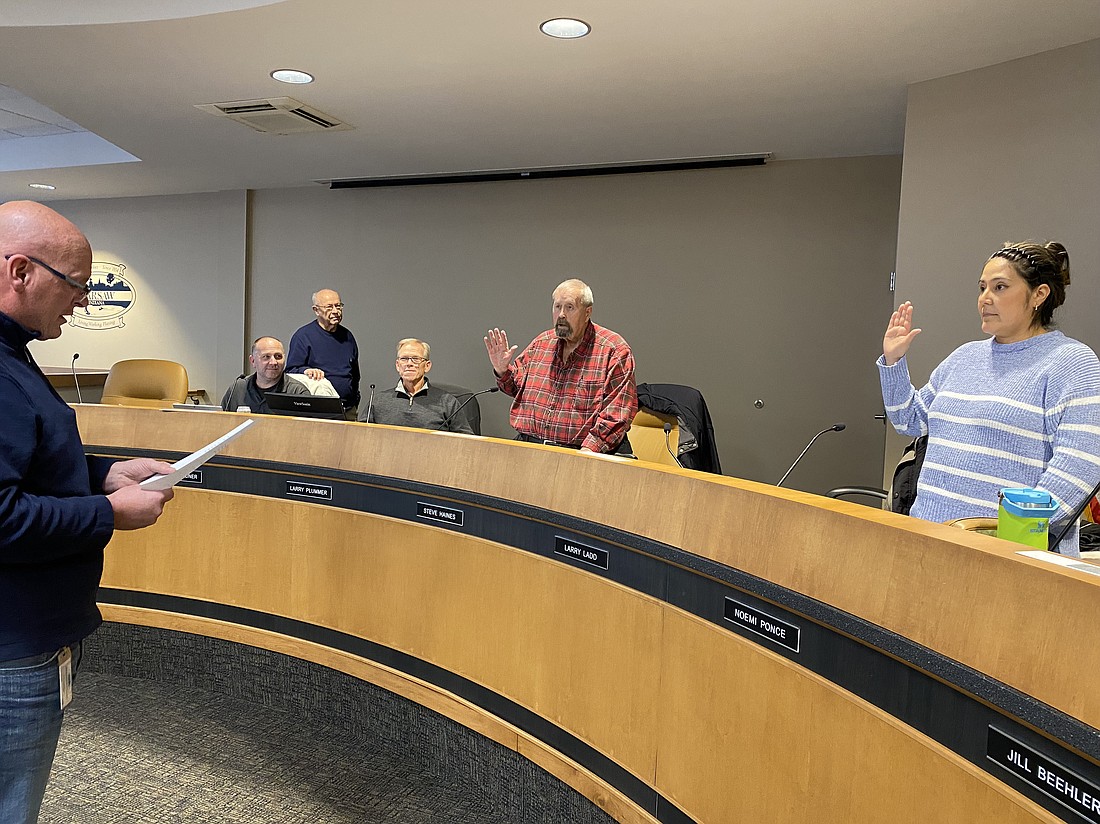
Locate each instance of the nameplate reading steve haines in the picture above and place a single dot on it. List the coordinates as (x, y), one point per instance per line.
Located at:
(439, 514)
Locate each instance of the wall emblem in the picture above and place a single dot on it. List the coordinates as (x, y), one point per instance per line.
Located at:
(112, 296)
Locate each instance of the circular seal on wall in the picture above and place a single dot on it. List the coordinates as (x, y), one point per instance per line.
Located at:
(111, 297)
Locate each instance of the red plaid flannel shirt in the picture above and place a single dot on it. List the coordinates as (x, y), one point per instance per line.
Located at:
(589, 402)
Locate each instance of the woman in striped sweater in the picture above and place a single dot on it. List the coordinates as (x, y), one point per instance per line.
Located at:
(1019, 409)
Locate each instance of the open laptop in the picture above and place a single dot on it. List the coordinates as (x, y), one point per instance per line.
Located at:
(1055, 538)
(305, 406)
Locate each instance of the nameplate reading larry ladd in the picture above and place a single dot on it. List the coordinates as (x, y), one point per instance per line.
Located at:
(580, 552)
(779, 632)
(301, 489)
(1060, 783)
(440, 514)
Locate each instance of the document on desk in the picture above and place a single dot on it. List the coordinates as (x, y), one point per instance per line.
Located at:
(185, 466)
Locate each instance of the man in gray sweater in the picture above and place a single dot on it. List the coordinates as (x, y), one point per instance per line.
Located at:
(414, 401)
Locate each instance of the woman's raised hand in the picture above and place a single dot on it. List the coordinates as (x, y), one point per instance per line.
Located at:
(899, 334)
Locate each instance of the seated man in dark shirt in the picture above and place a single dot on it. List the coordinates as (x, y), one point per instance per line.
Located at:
(268, 362)
(415, 402)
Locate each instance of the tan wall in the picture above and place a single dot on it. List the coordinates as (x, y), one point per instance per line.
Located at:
(185, 256)
(1005, 153)
(761, 283)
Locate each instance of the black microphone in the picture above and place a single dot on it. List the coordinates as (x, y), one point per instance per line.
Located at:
(668, 443)
(472, 395)
(836, 427)
(76, 383)
(370, 403)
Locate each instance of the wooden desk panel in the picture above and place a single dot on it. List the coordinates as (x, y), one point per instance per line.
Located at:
(715, 723)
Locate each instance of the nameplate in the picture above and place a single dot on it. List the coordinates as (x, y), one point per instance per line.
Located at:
(300, 489)
(439, 514)
(194, 478)
(590, 555)
(1051, 779)
(754, 620)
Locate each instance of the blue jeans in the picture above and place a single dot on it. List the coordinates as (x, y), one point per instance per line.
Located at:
(30, 724)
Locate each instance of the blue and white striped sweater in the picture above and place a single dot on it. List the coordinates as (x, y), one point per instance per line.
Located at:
(1021, 414)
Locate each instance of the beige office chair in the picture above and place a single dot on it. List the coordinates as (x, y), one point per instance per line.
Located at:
(145, 382)
(647, 436)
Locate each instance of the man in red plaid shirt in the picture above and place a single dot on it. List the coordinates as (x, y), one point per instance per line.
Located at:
(574, 385)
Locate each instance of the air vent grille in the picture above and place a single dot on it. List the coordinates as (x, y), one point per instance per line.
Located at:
(276, 115)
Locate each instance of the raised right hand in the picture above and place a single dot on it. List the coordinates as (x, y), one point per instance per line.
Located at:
(899, 334)
(500, 354)
(136, 507)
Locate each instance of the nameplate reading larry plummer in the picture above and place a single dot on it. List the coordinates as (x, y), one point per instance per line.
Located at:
(440, 514)
(593, 556)
(779, 632)
(193, 478)
(301, 489)
(1050, 778)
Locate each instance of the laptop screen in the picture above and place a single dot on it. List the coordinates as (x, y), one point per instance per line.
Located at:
(305, 406)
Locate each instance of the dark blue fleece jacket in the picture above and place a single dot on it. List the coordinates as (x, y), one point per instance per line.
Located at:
(52, 527)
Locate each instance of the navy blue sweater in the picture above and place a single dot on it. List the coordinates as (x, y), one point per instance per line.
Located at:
(52, 528)
(335, 353)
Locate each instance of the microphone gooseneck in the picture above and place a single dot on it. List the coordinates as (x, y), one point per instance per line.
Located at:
(836, 427)
(76, 383)
(668, 444)
(370, 403)
(472, 395)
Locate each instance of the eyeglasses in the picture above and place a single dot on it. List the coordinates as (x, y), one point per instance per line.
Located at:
(328, 307)
(411, 359)
(85, 288)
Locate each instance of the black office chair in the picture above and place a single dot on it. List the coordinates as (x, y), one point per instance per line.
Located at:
(471, 411)
(696, 449)
(903, 486)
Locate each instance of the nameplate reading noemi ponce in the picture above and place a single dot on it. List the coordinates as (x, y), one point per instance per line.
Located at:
(581, 552)
(441, 514)
(1054, 780)
(194, 478)
(779, 632)
(300, 489)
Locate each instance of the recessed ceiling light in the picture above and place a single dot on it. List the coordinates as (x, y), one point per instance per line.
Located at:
(565, 28)
(41, 186)
(291, 76)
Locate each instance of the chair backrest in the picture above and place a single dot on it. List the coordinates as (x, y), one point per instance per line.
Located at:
(145, 382)
(471, 411)
(322, 388)
(698, 449)
(647, 436)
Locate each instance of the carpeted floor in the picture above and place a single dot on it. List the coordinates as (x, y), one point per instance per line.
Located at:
(134, 750)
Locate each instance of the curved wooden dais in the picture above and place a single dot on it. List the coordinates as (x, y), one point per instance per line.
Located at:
(674, 645)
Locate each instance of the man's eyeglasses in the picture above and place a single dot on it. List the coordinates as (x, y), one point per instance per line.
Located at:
(85, 288)
(411, 359)
(328, 307)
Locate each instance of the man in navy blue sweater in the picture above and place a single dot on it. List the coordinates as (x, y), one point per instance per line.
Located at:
(326, 349)
(58, 508)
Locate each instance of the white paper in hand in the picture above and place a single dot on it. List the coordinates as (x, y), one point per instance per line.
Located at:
(185, 466)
